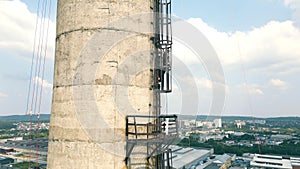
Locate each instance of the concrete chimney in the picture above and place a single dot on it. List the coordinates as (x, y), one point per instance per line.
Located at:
(103, 72)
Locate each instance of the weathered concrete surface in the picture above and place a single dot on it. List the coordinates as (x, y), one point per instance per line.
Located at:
(85, 136)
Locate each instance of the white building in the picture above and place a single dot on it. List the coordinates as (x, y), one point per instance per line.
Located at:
(276, 162)
(199, 124)
(239, 124)
(218, 123)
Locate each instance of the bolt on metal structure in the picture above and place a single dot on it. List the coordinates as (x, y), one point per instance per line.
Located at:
(151, 136)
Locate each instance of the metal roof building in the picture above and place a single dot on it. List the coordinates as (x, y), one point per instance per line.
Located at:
(276, 162)
(188, 157)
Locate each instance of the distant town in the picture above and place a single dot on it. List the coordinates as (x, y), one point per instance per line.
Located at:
(205, 142)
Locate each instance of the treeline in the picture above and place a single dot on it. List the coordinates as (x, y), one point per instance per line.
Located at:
(16, 118)
(6, 124)
(219, 148)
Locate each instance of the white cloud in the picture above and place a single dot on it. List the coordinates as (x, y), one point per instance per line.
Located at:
(277, 82)
(184, 53)
(291, 3)
(272, 46)
(17, 30)
(256, 91)
(271, 50)
(199, 82)
(295, 5)
(44, 83)
(2, 95)
(204, 83)
(280, 84)
(251, 89)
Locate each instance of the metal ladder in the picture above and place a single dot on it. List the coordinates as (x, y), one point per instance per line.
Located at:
(151, 136)
(163, 46)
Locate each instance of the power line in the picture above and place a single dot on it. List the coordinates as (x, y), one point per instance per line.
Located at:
(37, 70)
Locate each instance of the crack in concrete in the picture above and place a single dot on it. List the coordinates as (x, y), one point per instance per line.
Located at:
(98, 29)
(114, 85)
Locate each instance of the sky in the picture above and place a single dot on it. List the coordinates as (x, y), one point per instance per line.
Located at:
(257, 43)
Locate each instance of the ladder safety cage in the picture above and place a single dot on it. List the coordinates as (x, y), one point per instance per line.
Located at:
(151, 131)
(163, 43)
(163, 24)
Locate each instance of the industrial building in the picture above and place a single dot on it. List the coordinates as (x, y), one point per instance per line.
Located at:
(5, 160)
(218, 162)
(189, 157)
(6, 150)
(275, 162)
(27, 144)
(222, 161)
(28, 147)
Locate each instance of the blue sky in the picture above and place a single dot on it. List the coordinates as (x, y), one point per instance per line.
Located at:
(229, 15)
(233, 15)
(33, 6)
(256, 38)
